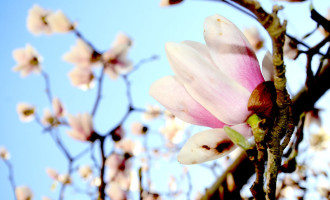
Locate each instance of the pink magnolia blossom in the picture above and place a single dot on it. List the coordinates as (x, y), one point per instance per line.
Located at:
(137, 128)
(64, 179)
(36, 20)
(82, 126)
(211, 87)
(40, 21)
(129, 146)
(4, 154)
(115, 59)
(23, 193)
(28, 60)
(52, 173)
(173, 130)
(115, 192)
(152, 112)
(85, 171)
(58, 22)
(48, 118)
(82, 78)
(58, 107)
(80, 55)
(25, 111)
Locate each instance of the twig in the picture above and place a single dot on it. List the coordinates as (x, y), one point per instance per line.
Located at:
(47, 83)
(99, 92)
(11, 176)
(102, 171)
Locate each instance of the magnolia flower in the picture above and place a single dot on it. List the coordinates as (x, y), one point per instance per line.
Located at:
(138, 128)
(173, 130)
(81, 55)
(28, 60)
(82, 126)
(211, 87)
(57, 107)
(52, 173)
(151, 112)
(23, 193)
(4, 154)
(129, 146)
(82, 78)
(48, 118)
(25, 112)
(115, 59)
(64, 179)
(45, 21)
(164, 3)
(36, 20)
(253, 36)
(58, 22)
(115, 192)
(85, 171)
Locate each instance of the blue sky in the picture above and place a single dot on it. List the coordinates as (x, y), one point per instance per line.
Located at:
(99, 21)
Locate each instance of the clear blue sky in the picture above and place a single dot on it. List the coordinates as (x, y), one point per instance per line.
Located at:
(99, 21)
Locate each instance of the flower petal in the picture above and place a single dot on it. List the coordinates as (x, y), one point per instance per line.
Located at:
(220, 95)
(231, 51)
(171, 94)
(209, 145)
(268, 67)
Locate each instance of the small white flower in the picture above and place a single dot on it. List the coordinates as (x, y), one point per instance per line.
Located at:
(4, 154)
(36, 20)
(58, 22)
(173, 130)
(82, 78)
(64, 179)
(80, 55)
(151, 112)
(57, 107)
(23, 193)
(85, 171)
(116, 58)
(82, 126)
(25, 112)
(52, 173)
(115, 192)
(28, 60)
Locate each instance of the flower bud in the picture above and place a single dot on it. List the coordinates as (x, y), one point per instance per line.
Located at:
(263, 100)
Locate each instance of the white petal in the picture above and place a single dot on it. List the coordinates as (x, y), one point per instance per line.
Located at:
(205, 146)
(209, 145)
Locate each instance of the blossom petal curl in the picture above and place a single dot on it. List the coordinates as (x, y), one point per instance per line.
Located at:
(171, 94)
(214, 90)
(231, 51)
(209, 145)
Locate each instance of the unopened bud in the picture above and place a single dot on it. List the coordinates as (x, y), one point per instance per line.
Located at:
(263, 100)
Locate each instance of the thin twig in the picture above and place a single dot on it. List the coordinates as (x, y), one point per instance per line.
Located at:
(99, 92)
(47, 83)
(11, 176)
